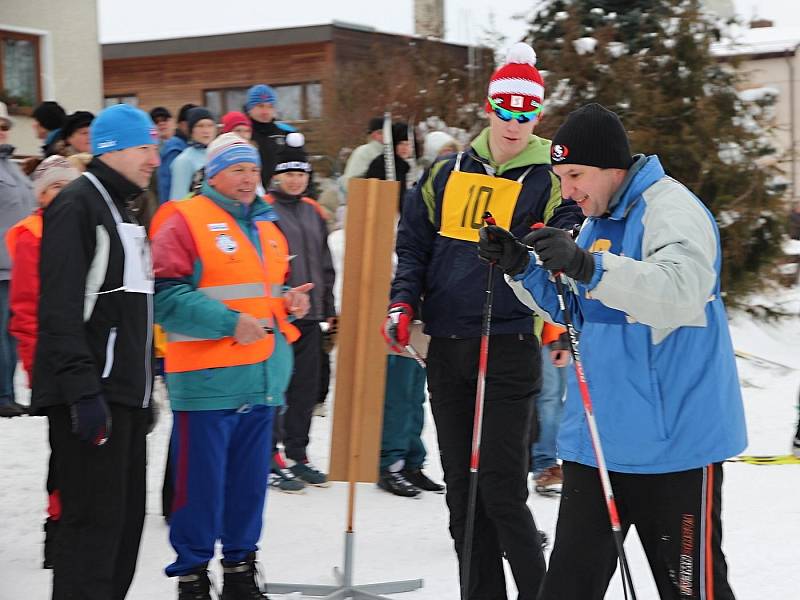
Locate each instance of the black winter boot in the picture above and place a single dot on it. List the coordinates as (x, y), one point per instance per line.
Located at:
(50, 530)
(195, 585)
(241, 580)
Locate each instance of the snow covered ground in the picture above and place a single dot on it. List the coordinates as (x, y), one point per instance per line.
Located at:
(400, 538)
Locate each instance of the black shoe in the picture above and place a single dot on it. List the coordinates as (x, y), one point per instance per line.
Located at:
(395, 483)
(240, 580)
(418, 479)
(11, 409)
(194, 586)
(50, 531)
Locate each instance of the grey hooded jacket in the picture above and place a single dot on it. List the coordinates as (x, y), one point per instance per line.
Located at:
(17, 201)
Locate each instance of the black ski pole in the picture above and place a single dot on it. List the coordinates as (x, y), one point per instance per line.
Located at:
(588, 408)
(477, 425)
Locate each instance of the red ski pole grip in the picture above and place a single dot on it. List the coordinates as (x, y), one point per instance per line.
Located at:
(538, 225)
(488, 218)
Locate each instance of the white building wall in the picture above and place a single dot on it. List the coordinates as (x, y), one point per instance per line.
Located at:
(71, 63)
(777, 73)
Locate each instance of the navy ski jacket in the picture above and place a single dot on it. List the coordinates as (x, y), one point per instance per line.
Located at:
(442, 278)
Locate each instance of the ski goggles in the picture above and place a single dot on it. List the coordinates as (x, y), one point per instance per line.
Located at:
(506, 115)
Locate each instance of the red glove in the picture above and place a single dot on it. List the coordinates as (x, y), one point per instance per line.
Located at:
(396, 326)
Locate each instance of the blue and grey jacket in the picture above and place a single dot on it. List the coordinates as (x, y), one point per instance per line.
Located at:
(654, 335)
(442, 278)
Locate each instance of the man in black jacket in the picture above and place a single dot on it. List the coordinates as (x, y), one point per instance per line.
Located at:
(93, 368)
(268, 134)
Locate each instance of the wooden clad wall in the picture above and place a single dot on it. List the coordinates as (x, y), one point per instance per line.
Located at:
(175, 79)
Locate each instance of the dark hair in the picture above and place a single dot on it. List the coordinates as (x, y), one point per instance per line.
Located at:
(184, 111)
(375, 124)
(75, 121)
(160, 113)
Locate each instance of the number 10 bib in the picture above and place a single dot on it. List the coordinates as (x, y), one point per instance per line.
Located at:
(468, 195)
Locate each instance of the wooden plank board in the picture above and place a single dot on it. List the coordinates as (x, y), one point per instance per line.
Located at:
(361, 355)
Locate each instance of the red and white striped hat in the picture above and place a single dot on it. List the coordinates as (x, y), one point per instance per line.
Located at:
(517, 85)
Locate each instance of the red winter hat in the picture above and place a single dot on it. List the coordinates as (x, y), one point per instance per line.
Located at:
(517, 85)
(234, 119)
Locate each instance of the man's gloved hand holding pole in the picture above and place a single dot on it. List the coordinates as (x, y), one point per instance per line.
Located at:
(396, 328)
(555, 248)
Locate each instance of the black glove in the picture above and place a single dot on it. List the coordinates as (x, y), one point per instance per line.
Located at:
(559, 252)
(91, 420)
(499, 246)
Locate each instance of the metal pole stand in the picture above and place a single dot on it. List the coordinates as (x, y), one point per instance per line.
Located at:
(345, 588)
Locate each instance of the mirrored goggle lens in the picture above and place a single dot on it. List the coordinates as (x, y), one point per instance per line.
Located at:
(506, 115)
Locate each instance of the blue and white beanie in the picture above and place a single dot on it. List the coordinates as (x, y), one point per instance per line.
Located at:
(227, 150)
(260, 94)
(121, 126)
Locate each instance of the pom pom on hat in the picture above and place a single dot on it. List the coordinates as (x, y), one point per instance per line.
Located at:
(293, 157)
(521, 54)
(517, 85)
(295, 139)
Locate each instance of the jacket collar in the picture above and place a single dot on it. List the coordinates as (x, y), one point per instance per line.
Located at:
(643, 173)
(238, 210)
(119, 187)
(537, 152)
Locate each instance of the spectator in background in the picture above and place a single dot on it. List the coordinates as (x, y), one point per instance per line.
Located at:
(436, 144)
(75, 133)
(303, 222)
(170, 150)
(402, 152)
(48, 118)
(24, 241)
(165, 124)
(362, 157)
(269, 135)
(549, 406)
(238, 123)
(202, 129)
(16, 202)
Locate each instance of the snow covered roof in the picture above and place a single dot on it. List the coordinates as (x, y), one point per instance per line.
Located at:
(761, 40)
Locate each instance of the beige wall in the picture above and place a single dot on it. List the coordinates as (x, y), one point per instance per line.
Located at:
(775, 72)
(71, 63)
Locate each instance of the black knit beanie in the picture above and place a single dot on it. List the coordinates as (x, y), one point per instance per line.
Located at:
(78, 119)
(399, 133)
(196, 114)
(593, 136)
(184, 111)
(292, 155)
(50, 115)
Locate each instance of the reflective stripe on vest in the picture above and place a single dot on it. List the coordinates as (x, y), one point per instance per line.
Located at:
(32, 223)
(232, 273)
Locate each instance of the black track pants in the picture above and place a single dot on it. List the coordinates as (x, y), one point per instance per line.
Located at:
(677, 517)
(292, 426)
(103, 505)
(503, 522)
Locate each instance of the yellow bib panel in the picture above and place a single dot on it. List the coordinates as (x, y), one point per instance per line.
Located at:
(468, 195)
